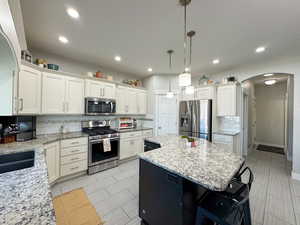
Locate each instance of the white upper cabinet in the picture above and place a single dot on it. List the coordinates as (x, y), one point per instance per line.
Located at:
(98, 89)
(131, 101)
(122, 100)
(142, 102)
(227, 100)
(74, 98)
(204, 93)
(62, 94)
(29, 91)
(53, 94)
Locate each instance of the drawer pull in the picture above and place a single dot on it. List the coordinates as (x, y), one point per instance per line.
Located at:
(75, 159)
(77, 150)
(74, 168)
(75, 142)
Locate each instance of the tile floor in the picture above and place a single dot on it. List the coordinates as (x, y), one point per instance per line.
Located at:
(275, 198)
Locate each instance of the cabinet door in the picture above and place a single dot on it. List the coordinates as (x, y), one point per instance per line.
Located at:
(52, 160)
(204, 93)
(226, 100)
(74, 96)
(53, 94)
(142, 103)
(132, 101)
(122, 100)
(130, 147)
(30, 81)
(108, 90)
(93, 89)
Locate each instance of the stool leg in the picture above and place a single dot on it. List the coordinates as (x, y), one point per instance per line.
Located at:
(247, 218)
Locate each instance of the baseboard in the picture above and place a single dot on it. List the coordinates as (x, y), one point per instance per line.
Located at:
(295, 176)
(269, 144)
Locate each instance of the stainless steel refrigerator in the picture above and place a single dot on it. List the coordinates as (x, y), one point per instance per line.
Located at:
(195, 119)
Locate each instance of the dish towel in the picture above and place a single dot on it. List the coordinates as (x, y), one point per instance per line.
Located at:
(106, 145)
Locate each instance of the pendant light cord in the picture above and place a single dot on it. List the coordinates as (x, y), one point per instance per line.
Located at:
(185, 37)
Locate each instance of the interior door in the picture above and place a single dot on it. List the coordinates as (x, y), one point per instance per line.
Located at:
(167, 115)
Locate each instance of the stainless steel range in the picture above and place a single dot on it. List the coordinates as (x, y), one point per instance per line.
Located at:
(104, 145)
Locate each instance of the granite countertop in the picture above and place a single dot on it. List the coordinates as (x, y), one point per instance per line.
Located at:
(227, 132)
(133, 129)
(210, 165)
(25, 196)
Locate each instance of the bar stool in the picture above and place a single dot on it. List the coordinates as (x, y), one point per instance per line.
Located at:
(230, 207)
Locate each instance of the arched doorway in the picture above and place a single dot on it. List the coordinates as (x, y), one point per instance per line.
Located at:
(273, 121)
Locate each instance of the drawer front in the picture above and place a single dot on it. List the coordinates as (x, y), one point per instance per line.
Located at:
(73, 150)
(72, 168)
(131, 134)
(74, 142)
(224, 139)
(73, 158)
(147, 133)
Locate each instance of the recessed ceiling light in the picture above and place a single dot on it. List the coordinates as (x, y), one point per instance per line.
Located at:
(118, 58)
(150, 70)
(63, 39)
(73, 13)
(260, 49)
(270, 82)
(268, 74)
(216, 61)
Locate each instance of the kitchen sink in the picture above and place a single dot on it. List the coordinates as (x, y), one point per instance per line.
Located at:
(16, 161)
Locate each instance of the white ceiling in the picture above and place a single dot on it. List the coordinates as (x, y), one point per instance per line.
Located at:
(141, 31)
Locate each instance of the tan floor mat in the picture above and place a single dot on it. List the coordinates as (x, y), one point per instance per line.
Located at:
(74, 208)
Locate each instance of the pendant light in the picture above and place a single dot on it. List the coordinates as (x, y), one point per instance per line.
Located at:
(190, 89)
(185, 77)
(170, 94)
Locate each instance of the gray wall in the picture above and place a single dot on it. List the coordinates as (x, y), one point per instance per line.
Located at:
(270, 114)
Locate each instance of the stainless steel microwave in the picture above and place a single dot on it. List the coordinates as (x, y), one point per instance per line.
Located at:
(99, 106)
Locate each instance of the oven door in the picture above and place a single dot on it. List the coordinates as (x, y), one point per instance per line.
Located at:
(97, 155)
(96, 106)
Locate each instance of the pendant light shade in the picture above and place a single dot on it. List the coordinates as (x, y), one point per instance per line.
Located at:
(185, 79)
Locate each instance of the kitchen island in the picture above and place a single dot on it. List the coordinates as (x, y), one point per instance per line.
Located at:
(172, 178)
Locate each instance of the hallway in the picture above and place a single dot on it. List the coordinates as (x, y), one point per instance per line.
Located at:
(275, 197)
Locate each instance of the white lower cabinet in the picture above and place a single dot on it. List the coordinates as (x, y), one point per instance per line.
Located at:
(73, 156)
(52, 161)
(131, 144)
(231, 141)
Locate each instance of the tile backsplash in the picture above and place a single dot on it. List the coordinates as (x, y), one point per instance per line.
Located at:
(52, 124)
(229, 123)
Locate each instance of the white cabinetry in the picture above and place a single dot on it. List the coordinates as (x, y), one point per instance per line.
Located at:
(232, 142)
(61, 94)
(131, 101)
(74, 96)
(53, 93)
(52, 160)
(227, 100)
(29, 91)
(131, 143)
(98, 89)
(203, 93)
(73, 156)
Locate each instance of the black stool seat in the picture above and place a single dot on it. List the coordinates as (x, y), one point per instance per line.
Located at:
(230, 207)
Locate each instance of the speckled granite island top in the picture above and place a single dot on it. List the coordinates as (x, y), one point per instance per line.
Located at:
(209, 165)
(25, 196)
